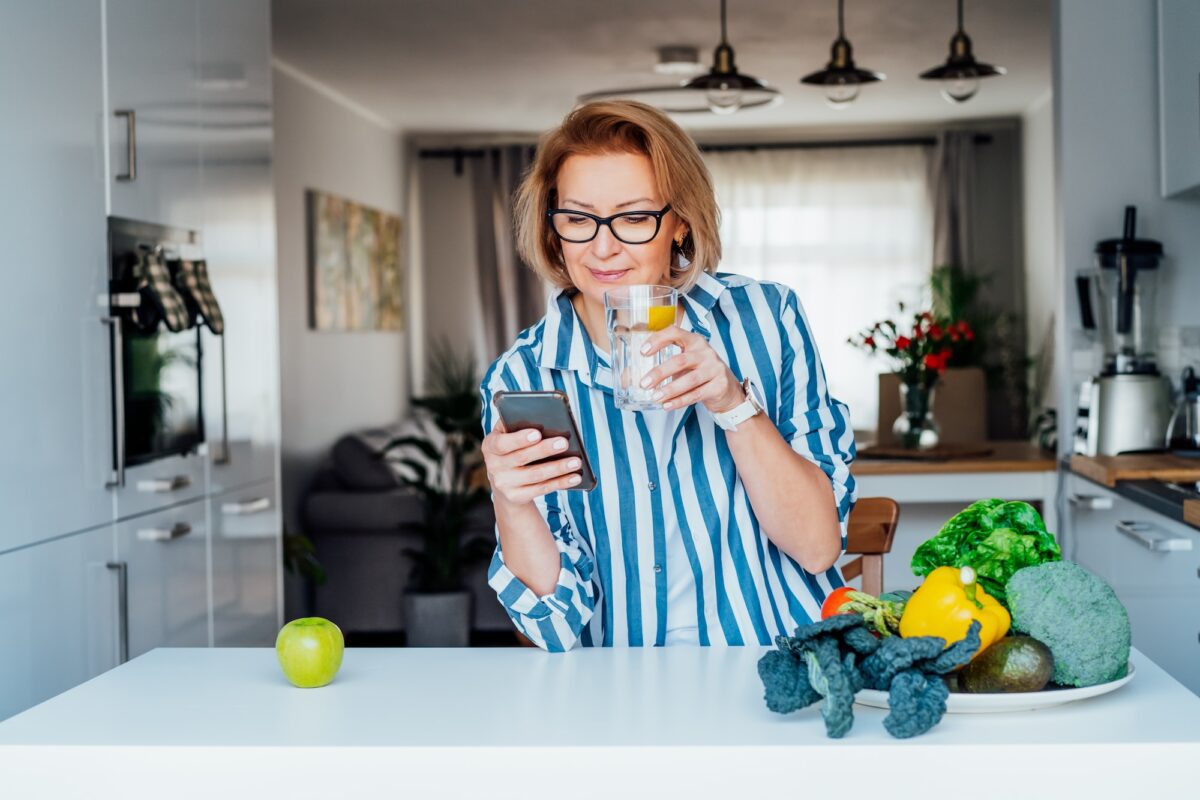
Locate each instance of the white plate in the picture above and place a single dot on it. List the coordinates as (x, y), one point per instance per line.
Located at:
(964, 703)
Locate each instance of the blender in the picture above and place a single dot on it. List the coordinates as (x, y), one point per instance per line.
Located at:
(1125, 408)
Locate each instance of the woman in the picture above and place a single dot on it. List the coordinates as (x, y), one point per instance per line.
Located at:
(695, 533)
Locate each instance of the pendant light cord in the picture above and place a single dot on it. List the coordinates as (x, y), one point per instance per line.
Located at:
(841, 27)
(725, 40)
(960, 16)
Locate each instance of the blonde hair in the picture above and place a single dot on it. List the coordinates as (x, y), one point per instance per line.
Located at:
(621, 126)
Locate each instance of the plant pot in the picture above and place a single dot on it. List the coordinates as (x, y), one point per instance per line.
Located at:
(437, 619)
(915, 428)
(960, 406)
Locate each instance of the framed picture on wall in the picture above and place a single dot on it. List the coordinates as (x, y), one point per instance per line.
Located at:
(1179, 95)
(354, 272)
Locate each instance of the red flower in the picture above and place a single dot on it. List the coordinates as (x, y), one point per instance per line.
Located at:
(935, 331)
(902, 342)
(869, 341)
(969, 335)
(937, 361)
(954, 337)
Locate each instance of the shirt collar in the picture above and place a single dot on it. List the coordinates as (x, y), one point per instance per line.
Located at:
(565, 343)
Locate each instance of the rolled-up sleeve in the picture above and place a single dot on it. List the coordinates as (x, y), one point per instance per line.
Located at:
(816, 425)
(553, 621)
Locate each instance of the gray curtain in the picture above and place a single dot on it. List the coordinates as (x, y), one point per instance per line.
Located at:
(962, 217)
(953, 182)
(512, 296)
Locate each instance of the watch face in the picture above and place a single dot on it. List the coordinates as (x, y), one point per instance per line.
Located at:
(755, 396)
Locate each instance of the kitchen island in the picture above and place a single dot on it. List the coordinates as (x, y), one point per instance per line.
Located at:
(517, 722)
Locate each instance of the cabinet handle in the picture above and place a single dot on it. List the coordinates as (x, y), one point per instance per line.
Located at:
(130, 144)
(164, 534)
(117, 479)
(164, 485)
(122, 607)
(1144, 533)
(254, 506)
(1092, 502)
(225, 458)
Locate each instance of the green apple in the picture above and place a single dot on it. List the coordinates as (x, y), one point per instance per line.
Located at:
(310, 651)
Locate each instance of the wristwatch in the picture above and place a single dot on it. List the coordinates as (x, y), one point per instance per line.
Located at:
(753, 404)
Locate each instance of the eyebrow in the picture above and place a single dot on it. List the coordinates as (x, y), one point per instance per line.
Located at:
(619, 205)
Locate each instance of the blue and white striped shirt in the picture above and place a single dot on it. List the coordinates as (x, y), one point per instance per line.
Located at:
(667, 548)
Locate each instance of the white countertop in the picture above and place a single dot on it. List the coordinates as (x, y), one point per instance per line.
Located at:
(453, 722)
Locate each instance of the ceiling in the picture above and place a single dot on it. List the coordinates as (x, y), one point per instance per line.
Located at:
(517, 65)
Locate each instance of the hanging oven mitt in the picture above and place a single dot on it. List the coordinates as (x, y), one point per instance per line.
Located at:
(154, 280)
(192, 280)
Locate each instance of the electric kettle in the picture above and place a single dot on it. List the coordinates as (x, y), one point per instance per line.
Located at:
(1183, 431)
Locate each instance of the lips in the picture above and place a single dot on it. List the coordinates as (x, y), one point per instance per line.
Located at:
(608, 276)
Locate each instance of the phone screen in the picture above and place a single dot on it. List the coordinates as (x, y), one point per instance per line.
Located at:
(549, 413)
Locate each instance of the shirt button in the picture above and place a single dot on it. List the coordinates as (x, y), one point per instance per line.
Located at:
(658, 567)
(653, 486)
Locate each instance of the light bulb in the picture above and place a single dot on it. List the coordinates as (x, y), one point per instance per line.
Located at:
(724, 98)
(839, 92)
(960, 89)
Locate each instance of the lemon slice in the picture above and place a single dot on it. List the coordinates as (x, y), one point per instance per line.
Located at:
(661, 317)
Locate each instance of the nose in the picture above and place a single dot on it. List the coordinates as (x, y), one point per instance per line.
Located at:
(605, 244)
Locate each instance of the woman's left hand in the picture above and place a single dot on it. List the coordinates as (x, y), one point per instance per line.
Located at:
(698, 375)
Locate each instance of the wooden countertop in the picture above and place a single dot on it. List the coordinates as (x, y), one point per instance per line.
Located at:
(1191, 512)
(1107, 470)
(1005, 457)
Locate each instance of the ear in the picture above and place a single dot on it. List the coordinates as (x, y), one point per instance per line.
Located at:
(680, 232)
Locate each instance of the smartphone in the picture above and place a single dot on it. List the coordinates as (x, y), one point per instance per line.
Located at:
(548, 413)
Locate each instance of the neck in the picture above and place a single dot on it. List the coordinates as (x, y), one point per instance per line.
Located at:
(592, 315)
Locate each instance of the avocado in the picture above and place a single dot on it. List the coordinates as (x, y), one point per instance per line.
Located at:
(1013, 664)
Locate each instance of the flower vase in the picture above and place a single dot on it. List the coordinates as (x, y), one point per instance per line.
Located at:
(915, 428)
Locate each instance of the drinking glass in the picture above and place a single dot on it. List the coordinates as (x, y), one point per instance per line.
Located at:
(632, 313)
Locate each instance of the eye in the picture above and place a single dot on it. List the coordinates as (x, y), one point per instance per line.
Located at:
(575, 219)
(636, 219)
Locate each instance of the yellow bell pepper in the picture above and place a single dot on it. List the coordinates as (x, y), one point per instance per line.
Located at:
(945, 604)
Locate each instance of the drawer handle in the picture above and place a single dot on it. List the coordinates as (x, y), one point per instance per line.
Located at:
(164, 485)
(255, 506)
(164, 534)
(1145, 534)
(1092, 502)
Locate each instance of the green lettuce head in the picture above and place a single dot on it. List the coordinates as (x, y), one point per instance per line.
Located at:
(995, 538)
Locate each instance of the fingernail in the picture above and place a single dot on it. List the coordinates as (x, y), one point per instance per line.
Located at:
(645, 381)
(560, 444)
(574, 479)
(533, 436)
(645, 349)
(573, 463)
(657, 395)
(668, 404)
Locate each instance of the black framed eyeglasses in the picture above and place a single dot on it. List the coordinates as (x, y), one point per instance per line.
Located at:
(630, 227)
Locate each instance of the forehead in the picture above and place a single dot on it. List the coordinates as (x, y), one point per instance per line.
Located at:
(607, 178)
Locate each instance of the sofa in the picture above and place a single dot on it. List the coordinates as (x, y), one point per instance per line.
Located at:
(361, 516)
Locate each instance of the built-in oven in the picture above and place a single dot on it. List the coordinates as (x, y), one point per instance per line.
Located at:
(157, 397)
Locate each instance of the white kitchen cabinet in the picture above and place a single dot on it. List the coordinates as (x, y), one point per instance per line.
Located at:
(1153, 564)
(241, 379)
(245, 540)
(55, 409)
(153, 111)
(58, 611)
(1179, 94)
(166, 558)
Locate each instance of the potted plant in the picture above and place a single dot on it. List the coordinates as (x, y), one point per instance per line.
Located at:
(920, 350)
(437, 606)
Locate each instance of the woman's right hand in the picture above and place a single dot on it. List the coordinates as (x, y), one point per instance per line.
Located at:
(515, 480)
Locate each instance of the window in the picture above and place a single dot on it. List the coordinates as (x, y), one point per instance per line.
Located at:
(849, 229)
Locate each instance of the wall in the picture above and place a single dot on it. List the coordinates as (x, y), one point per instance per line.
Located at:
(1107, 154)
(1042, 275)
(330, 382)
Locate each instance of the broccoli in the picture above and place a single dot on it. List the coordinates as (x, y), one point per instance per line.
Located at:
(1076, 615)
(834, 658)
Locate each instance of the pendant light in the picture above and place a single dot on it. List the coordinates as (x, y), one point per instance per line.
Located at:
(961, 73)
(841, 79)
(722, 90)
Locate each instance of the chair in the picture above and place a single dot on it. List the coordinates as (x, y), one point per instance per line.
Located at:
(869, 534)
